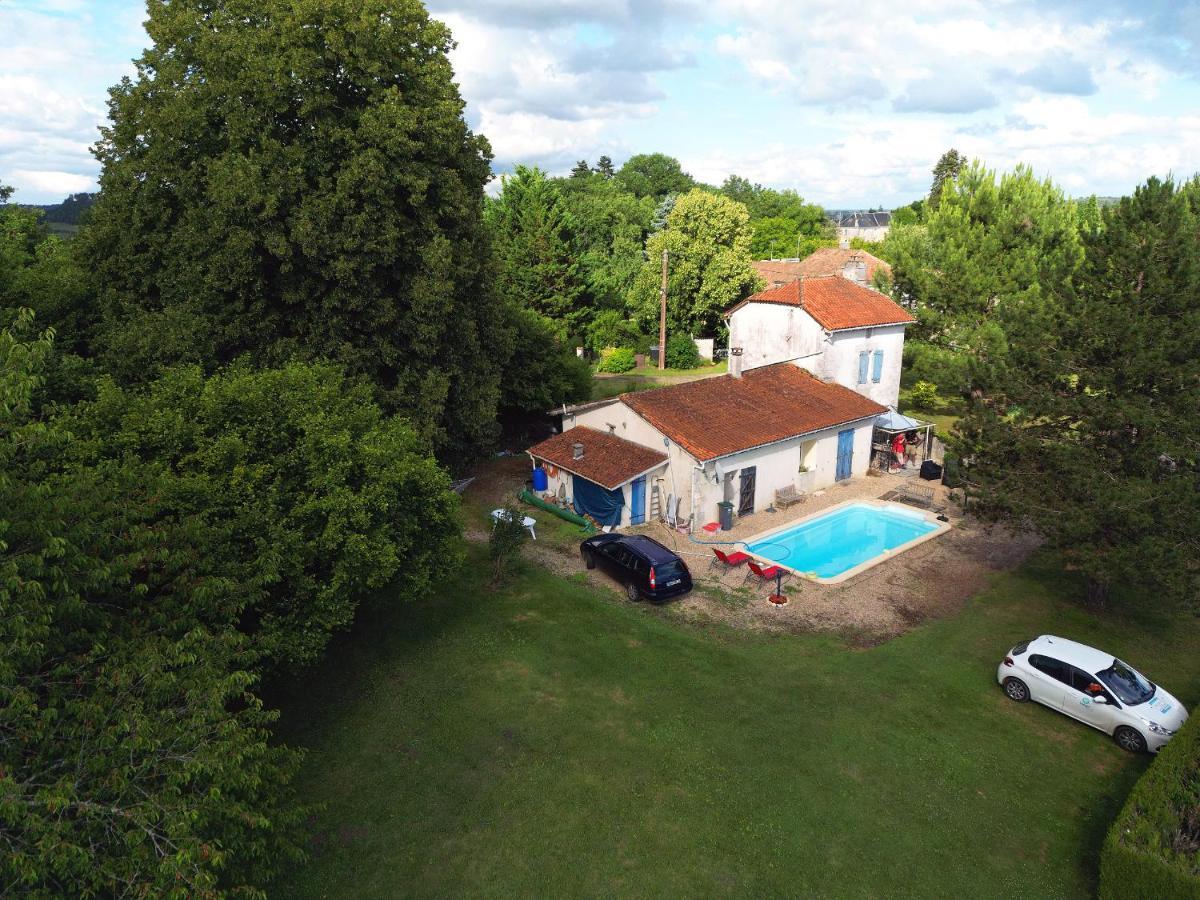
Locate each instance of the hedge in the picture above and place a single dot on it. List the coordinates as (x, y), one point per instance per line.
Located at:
(1153, 847)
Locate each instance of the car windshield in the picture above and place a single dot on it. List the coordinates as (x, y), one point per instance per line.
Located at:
(1130, 686)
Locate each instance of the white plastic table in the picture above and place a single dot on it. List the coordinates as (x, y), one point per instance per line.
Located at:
(498, 514)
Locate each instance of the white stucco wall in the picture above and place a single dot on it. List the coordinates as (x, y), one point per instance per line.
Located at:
(778, 465)
(563, 477)
(771, 333)
(675, 479)
(839, 363)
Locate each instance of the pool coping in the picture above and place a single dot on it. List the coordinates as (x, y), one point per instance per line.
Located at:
(940, 528)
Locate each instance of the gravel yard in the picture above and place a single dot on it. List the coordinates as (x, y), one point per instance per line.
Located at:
(929, 581)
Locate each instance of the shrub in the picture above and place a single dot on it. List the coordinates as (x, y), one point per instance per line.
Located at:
(504, 546)
(923, 395)
(617, 360)
(682, 352)
(611, 329)
(541, 372)
(1153, 847)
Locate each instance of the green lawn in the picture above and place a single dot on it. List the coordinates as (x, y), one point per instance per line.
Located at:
(649, 377)
(549, 739)
(718, 368)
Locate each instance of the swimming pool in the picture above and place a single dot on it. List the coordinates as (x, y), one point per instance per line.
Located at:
(835, 544)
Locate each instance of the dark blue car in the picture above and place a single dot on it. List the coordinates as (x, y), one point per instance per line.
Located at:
(644, 566)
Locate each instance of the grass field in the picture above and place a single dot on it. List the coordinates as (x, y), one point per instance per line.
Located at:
(649, 377)
(548, 739)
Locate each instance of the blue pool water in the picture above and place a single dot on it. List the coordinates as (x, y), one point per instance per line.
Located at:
(836, 542)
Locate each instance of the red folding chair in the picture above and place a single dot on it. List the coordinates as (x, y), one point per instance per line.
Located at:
(731, 560)
(768, 574)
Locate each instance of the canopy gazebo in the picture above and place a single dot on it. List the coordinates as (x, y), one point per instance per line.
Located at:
(919, 434)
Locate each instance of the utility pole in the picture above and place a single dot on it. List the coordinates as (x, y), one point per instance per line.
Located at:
(662, 317)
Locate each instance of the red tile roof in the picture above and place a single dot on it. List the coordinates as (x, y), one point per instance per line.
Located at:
(607, 459)
(825, 261)
(835, 303)
(718, 416)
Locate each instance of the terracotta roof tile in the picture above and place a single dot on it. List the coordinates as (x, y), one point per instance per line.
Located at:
(718, 416)
(835, 303)
(607, 459)
(825, 261)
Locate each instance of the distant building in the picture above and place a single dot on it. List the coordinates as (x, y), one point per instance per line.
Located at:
(858, 266)
(869, 226)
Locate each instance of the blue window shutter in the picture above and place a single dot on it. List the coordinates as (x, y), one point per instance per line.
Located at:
(877, 371)
(862, 367)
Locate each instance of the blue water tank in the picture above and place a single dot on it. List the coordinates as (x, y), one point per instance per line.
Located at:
(539, 479)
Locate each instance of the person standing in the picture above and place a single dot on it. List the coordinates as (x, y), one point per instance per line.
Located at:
(898, 446)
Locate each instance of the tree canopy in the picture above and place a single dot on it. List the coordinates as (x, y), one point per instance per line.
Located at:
(292, 179)
(989, 255)
(654, 175)
(1091, 434)
(947, 168)
(707, 237)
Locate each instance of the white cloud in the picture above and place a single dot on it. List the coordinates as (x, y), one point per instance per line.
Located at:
(58, 184)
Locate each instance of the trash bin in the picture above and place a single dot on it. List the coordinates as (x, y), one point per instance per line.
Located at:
(725, 515)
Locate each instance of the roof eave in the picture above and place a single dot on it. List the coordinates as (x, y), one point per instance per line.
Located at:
(611, 487)
(875, 325)
(792, 437)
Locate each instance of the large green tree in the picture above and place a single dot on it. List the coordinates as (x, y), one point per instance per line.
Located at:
(1092, 434)
(654, 175)
(295, 178)
(42, 273)
(135, 757)
(784, 225)
(536, 266)
(609, 226)
(319, 499)
(707, 237)
(992, 252)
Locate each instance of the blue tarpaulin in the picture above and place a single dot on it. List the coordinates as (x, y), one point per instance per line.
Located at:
(598, 502)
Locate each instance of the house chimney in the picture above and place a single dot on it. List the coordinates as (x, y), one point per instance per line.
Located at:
(577, 450)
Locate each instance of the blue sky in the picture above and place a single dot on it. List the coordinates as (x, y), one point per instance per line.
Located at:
(849, 103)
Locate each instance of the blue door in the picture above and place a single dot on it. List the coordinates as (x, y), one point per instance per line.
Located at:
(637, 506)
(845, 453)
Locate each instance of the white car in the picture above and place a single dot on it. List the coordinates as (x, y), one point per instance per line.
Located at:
(1094, 687)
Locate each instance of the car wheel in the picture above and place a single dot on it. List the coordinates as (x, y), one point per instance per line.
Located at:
(1016, 689)
(632, 592)
(588, 559)
(1129, 739)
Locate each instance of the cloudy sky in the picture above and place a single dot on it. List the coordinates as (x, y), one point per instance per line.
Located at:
(850, 103)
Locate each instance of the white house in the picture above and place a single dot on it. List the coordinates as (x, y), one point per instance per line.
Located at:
(835, 328)
(869, 226)
(738, 438)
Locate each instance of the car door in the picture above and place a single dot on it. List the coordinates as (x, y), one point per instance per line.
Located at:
(1082, 704)
(1049, 681)
(609, 556)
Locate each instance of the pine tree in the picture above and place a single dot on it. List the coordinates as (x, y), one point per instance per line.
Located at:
(581, 169)
(946, 170)
(604, 166)
(536, 267)
(1090, 435)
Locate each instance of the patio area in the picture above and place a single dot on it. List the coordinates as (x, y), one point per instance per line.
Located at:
(927, 581)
